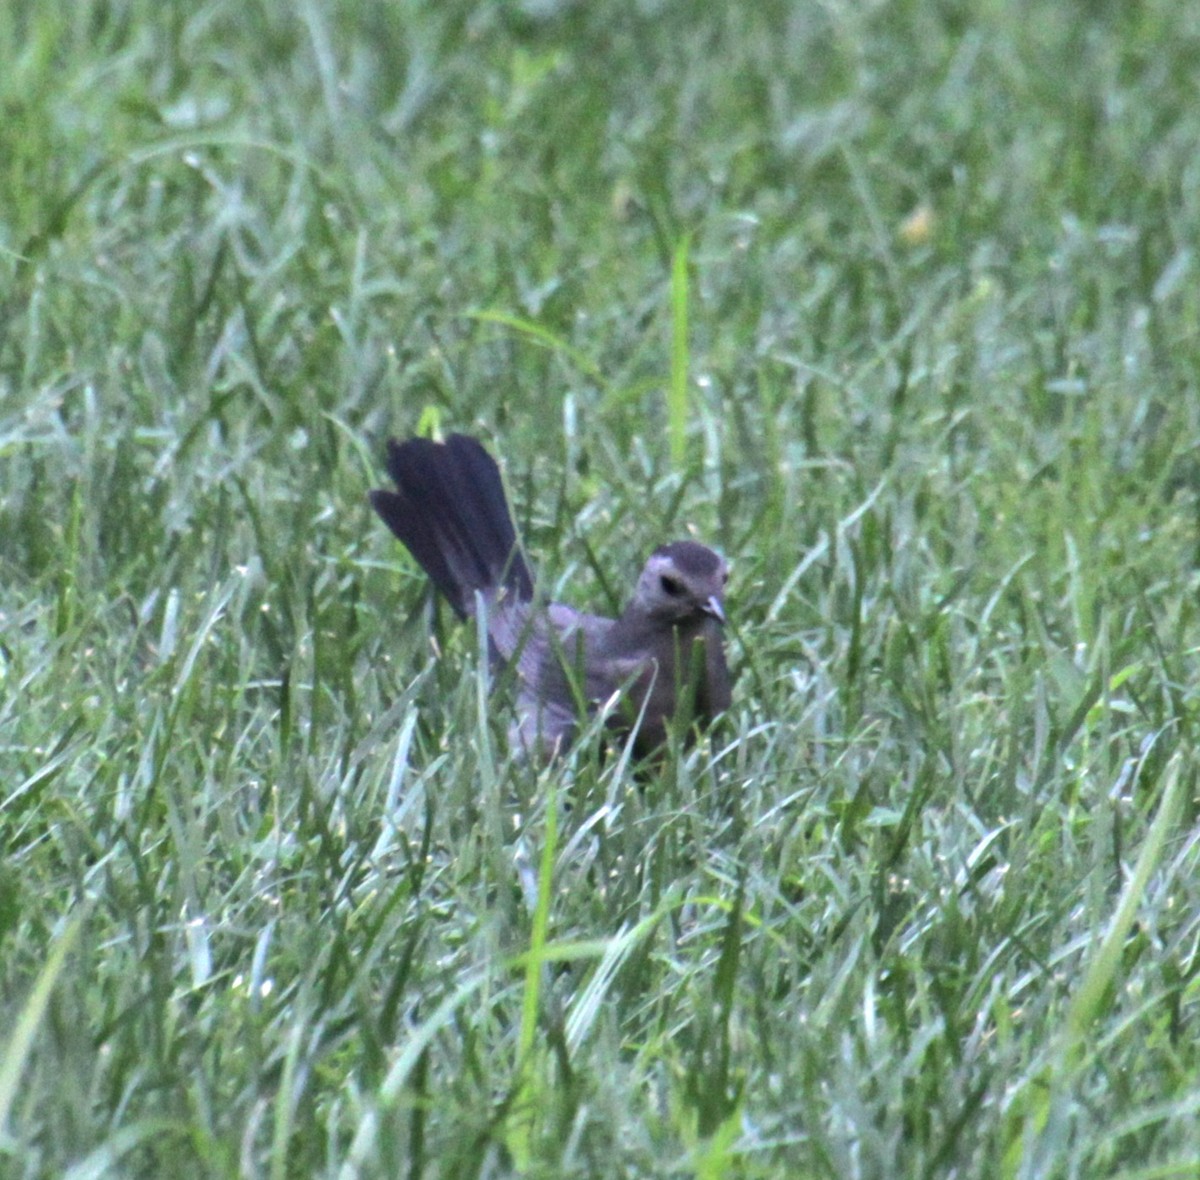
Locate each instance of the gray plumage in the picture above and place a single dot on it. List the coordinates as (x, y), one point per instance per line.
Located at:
(662, 658)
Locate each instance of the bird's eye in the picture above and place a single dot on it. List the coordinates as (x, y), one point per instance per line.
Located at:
(672, 587)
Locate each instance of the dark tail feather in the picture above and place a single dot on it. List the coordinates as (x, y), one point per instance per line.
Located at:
(449, 509)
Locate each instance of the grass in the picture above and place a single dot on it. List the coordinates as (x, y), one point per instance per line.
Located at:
(896, 304)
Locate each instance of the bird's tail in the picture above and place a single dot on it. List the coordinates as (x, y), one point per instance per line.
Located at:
(450, 511)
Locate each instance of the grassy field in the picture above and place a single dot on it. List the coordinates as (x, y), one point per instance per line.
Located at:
(896, 303)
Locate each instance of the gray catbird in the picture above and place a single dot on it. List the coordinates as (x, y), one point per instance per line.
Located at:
(665, 653)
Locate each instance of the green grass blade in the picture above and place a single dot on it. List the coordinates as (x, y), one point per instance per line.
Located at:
(677, 395)
(1106, 961)
(16, 1050)
(527, 1104)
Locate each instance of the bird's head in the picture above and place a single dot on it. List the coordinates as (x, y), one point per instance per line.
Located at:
(683, 581)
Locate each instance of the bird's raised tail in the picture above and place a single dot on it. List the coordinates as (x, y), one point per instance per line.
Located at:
(450, 511)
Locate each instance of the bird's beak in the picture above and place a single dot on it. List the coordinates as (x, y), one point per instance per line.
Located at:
(714, 609)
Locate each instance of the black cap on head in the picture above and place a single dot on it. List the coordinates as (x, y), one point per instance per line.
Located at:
(691, 558)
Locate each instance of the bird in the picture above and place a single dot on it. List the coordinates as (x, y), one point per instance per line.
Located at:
(661, 661)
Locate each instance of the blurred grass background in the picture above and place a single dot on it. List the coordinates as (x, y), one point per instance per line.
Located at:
(894, 302)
